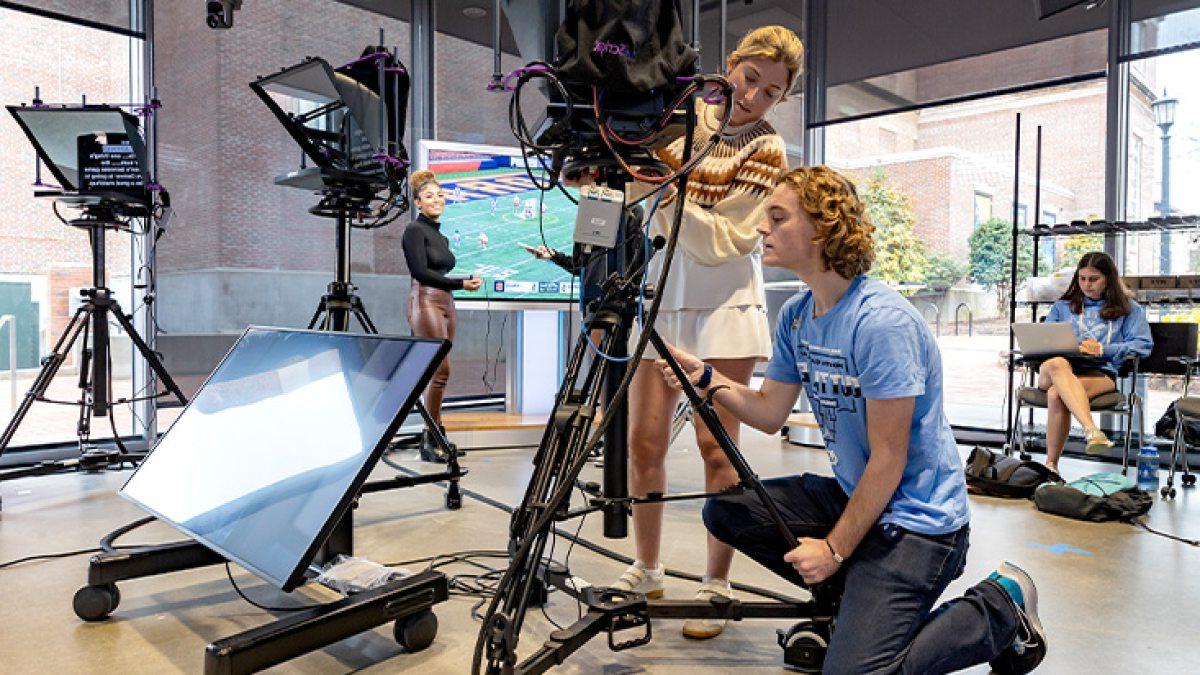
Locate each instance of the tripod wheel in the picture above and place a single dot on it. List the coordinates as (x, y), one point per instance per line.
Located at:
(416, 631)
(96, 603)
(804, 646)
(1189, 480)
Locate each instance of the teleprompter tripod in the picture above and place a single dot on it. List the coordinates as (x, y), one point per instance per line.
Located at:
(91, 322)
(340, 304)
(565, 449)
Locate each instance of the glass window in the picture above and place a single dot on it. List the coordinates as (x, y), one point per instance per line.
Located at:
(245, 250)
(1163, 162)
(1154, 28)
(948, 186)
(110, 13)
(44, 263)
(983, 207)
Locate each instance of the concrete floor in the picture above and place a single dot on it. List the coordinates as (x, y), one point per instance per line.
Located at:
(1114, 599)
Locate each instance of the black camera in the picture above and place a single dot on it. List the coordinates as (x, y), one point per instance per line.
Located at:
(220, 13)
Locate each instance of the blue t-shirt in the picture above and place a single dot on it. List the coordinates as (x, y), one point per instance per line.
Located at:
(873, 344)
(1123, 336)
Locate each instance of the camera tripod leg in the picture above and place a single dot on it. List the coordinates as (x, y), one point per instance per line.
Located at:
(709, 416)
(50, 365)
(152, 357)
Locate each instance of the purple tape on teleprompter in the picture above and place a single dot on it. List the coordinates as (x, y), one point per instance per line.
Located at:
(369, 57)
(390, 160)
(505, 84)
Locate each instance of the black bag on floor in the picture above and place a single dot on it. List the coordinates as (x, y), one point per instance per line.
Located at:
(998, 475)
(1064, 500)
(1165, 427)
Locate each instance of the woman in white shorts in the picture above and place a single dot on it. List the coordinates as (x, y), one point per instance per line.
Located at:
(713, 304)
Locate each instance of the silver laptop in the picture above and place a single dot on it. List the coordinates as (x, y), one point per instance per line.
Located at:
(1039, 340)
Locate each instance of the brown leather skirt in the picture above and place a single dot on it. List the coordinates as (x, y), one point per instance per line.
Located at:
(431, 314)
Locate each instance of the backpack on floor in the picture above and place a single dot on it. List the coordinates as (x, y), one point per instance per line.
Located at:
(997, 475)
(1096, 498)
(1165, 427)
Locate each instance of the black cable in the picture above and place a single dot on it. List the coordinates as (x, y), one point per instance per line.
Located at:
(268, 608)
(48, 556)
(1142, 524)
(106, 542)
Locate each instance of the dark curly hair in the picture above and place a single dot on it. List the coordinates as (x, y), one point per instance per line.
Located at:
(843, 228)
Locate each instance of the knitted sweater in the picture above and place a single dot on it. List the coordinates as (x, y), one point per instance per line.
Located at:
(727, 190)
(717, 266)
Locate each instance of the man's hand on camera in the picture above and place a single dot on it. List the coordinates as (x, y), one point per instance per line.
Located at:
(813, 560)
(691, 365)
(472, 284)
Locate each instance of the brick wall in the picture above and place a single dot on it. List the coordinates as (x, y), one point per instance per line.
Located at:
(67, 62)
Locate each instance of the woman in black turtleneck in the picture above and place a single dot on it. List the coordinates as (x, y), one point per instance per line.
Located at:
(430, 303)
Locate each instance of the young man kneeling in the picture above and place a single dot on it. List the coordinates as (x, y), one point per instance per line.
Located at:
(894, 518)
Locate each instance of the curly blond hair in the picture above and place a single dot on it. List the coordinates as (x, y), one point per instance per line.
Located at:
(775, 43)
(843, 228)
(420, 179)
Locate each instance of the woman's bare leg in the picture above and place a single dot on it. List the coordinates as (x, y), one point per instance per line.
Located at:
(1067, 395)
(651, 409)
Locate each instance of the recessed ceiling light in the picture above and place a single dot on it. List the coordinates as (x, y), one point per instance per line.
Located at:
(474, 12)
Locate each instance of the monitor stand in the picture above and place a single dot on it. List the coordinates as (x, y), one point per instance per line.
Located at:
(407, 601)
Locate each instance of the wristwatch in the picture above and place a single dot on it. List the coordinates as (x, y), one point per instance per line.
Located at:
(836, 558)
(705, 378)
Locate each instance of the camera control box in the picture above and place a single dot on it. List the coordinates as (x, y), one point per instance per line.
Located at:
(598, 218)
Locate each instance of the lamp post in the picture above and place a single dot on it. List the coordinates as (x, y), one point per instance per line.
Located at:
(1164, 117)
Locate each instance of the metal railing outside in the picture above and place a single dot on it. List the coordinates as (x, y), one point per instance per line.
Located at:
(11, 321)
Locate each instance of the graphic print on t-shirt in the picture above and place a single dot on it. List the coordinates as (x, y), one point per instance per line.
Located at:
(831, 388)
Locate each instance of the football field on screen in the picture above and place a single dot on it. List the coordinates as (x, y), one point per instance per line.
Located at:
(488, 215)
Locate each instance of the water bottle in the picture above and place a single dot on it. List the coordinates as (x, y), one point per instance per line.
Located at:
(1147, 469)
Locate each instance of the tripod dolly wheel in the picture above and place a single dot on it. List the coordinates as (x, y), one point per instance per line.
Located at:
(416, 631)
(96, 603)
(804, 646)
(1189, 480)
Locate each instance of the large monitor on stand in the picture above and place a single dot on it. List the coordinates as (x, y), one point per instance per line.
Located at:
(275, 446)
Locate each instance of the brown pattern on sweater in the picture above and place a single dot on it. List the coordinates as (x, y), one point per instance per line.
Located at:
(748, 163)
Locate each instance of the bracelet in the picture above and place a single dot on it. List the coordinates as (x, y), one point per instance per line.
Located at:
(705, 377)
(836, 558)
(708, 398)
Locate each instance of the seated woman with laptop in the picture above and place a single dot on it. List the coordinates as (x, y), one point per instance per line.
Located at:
(1109, 326)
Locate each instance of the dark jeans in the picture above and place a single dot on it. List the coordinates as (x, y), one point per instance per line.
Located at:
(884, 624)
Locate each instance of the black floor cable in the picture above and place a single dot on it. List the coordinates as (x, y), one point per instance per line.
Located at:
(1142, 524)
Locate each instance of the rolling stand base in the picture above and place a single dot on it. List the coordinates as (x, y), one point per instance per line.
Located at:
(612, 611)
(407, 602)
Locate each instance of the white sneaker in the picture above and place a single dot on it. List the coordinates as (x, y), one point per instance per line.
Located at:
(638, 579)
(705, 629)
(1097, 442)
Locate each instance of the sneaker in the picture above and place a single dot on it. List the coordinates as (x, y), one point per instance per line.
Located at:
(638, 579)
(705, 629)
(1029, 646)
(1097, 442)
